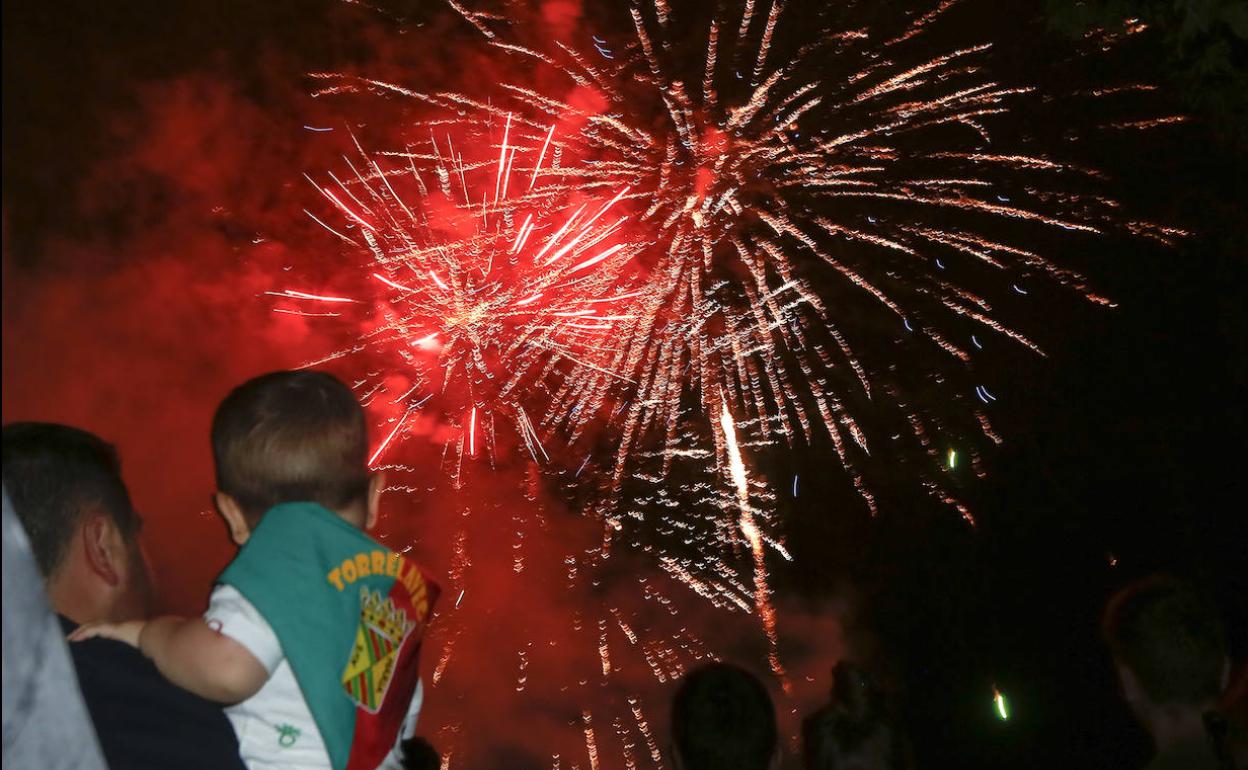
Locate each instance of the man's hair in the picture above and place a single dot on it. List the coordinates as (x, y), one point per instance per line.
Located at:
(55, 474)
(1170, 636)
(723, 719)
(291, 437)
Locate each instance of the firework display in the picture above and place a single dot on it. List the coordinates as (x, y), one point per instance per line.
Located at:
(495, 311)
(724, 234)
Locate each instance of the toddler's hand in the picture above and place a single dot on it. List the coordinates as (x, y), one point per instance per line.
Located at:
(127, 632)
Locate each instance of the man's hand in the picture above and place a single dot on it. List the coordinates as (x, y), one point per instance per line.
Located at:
(127, 632)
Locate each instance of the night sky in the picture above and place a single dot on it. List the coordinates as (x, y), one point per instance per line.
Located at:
(149, 146)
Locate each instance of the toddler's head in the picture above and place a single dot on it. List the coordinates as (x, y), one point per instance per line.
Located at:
(294, 436)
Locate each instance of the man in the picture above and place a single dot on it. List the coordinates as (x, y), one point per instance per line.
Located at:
(66, 487)
(723, 719)
(1170, 650)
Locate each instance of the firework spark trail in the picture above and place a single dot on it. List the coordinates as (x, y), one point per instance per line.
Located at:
(762, 594)
(591, 746)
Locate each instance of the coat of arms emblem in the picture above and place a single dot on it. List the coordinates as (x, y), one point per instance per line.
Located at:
(378, 640)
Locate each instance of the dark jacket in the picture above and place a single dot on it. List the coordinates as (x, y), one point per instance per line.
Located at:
(145, 722)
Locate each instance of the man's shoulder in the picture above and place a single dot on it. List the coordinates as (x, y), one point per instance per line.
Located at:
(102, 662)
(143, 720)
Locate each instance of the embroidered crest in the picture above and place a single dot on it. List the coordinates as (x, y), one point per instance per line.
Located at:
(378, 639)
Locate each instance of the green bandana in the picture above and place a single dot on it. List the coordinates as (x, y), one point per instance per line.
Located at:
(349, 614)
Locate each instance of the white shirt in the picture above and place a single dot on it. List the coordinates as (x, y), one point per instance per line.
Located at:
(275, 728)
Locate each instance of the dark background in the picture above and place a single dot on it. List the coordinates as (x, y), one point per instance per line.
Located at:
(1124, 449)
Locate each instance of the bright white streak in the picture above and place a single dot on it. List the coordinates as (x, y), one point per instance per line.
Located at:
(520, 236)
(391, 283)
(595, 260)
(292, 294)
(502, 159)
(389, 438)
(541, 155)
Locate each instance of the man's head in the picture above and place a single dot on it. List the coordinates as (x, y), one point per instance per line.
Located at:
(292, 437)
(66, 487)
(1169, 645)
(723, 719)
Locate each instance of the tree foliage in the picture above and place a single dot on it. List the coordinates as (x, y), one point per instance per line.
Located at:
(1205, 44)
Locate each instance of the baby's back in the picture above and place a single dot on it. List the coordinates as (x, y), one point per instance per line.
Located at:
(275, 727)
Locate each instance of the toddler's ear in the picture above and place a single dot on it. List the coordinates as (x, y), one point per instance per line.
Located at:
(376, 485)
(233, 516)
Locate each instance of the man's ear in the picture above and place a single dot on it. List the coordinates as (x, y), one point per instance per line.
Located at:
(376, 485)
(103, 547)
(1132, 691)
(232, 513)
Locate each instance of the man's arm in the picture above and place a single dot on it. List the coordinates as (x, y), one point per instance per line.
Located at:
(189, 653)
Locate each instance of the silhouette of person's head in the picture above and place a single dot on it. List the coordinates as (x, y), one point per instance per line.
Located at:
(852, 731)
(723, 719)
(1170, 650)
